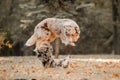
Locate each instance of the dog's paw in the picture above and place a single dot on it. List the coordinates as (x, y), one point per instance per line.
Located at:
(65, 62)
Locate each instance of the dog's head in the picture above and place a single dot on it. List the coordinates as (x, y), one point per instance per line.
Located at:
(70, 32)
(43, 47)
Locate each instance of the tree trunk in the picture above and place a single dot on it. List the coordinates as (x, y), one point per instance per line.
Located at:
(116, 45)
(57, 46)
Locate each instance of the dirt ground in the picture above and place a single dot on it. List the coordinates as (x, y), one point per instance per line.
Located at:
(82, 67)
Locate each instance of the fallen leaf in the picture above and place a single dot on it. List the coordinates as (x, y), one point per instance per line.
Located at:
(98, 66)
(74, 66)
(33, 71)
(116, 75)
(104, 71)
(4, 70)
(68, 72)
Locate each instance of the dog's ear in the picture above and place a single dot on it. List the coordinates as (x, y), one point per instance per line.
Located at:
(31, 41)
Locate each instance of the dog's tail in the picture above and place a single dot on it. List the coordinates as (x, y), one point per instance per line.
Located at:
(31, 41)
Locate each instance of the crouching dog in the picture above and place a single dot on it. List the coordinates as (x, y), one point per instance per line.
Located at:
(44, 54)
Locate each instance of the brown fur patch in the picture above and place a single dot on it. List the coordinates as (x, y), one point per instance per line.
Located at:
(52, 37)
(76, 30)
(45, 27)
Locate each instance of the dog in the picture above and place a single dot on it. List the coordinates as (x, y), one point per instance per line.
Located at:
(46, 32)
(44, 53)
(51, 28)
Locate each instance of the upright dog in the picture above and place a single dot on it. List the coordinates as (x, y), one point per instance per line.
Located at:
(50, 29)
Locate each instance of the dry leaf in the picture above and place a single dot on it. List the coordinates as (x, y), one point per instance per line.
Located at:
(98, 66)
(33, 71)
(68, 72)
(74, 66)
(104, 71)
(116, 75)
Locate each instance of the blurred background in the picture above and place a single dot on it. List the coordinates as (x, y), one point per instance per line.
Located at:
(99, 21)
